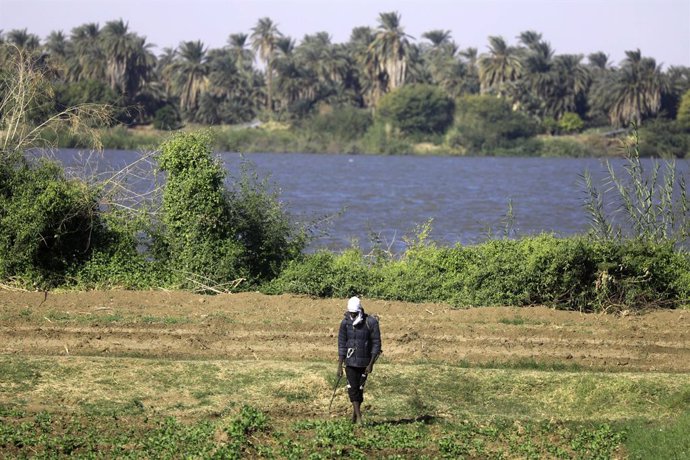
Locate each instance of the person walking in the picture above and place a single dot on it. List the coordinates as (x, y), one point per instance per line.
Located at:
(359, 344)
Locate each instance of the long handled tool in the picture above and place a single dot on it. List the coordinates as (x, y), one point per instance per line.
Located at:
(335, 388)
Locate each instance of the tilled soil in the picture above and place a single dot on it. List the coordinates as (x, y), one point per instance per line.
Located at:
(181, 325)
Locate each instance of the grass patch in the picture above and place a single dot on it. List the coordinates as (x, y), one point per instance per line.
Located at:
(18, 375)
(659, 440)
(280, 410)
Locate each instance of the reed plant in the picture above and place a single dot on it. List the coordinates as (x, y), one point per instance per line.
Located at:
(639, 204)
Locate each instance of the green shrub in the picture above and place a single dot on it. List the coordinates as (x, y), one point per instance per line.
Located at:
(47, 222)
(664, 138)
(198, 237)
(167, 118)
(570, 273)
(380, 139)
(325, 274)
(416, 109)
(345, 123)
(216, 235)
(570, 123)
(483, 123)
(683, 115)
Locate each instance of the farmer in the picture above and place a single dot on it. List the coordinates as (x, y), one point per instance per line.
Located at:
(359, 344)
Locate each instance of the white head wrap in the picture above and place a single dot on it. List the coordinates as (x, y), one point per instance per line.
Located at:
(355, 306)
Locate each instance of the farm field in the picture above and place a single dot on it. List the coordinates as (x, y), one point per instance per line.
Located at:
(173, 374)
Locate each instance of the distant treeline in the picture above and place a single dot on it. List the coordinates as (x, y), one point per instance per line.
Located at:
(263, 74)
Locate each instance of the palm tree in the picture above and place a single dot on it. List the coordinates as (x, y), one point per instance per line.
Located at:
(636, 90)
(239, 51)
(598, 60)
(190, 74)
(86, 57)
(499, 67)
(443, 62)
(388, 54)
(325, 62)
(438, 38)
(56, 47)
(571, 83)
(23, 40)
(118, 47)
(294, 82)
(529, 38)
(264, 37)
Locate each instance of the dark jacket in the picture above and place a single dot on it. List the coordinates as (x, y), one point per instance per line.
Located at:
(364, 339)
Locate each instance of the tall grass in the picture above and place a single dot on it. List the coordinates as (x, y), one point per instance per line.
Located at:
(647, 205)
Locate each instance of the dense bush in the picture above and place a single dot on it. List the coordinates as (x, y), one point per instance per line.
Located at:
(570, 123)
(683, 115)
(198, 237)
(167, 118)
(48, 223)
(214, 235)
(416, 109)
(664, 138)
(483, 123)
(569, 273)
(345, 123)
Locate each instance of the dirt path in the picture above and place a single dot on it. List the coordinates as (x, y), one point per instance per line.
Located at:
(254, 326)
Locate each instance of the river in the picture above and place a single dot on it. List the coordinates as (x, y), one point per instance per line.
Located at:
(357, 196)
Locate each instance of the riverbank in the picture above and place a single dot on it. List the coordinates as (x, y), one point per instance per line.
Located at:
(282, 138)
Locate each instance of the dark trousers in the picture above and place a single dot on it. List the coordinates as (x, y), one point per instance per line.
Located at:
(355, 383)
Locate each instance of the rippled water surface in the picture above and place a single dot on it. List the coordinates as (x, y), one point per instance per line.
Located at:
(389, 195)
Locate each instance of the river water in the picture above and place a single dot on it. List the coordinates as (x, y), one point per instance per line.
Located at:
(357, 196)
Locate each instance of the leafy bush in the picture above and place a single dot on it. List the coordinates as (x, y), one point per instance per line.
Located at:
(664, 138)
(167, 118)
(380, 139)
(483, 123)
(342, 122)
(571, 273)
(47, 222)
(217, 235)
(198, 237)
(417, 109)
(683, 115)
(570, 123)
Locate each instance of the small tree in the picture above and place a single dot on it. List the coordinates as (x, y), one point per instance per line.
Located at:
(417, 109)
(197, 234)
(483, 123)
(214, 235)
(570, 123)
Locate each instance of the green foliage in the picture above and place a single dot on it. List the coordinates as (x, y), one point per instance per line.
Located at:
(217, 235)
(262, 226)
(655, 204)
(483, 123)
(417, 109)
(167, 118)
(570, 123)
(572, 273)
(198, 237)
(381, 139)
(121, 259)
(683, 115)
(662, 138)
(48, 223)
(345, 123)
(85, 92)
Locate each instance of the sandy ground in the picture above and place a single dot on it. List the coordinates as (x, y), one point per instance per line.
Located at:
(182, 325)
